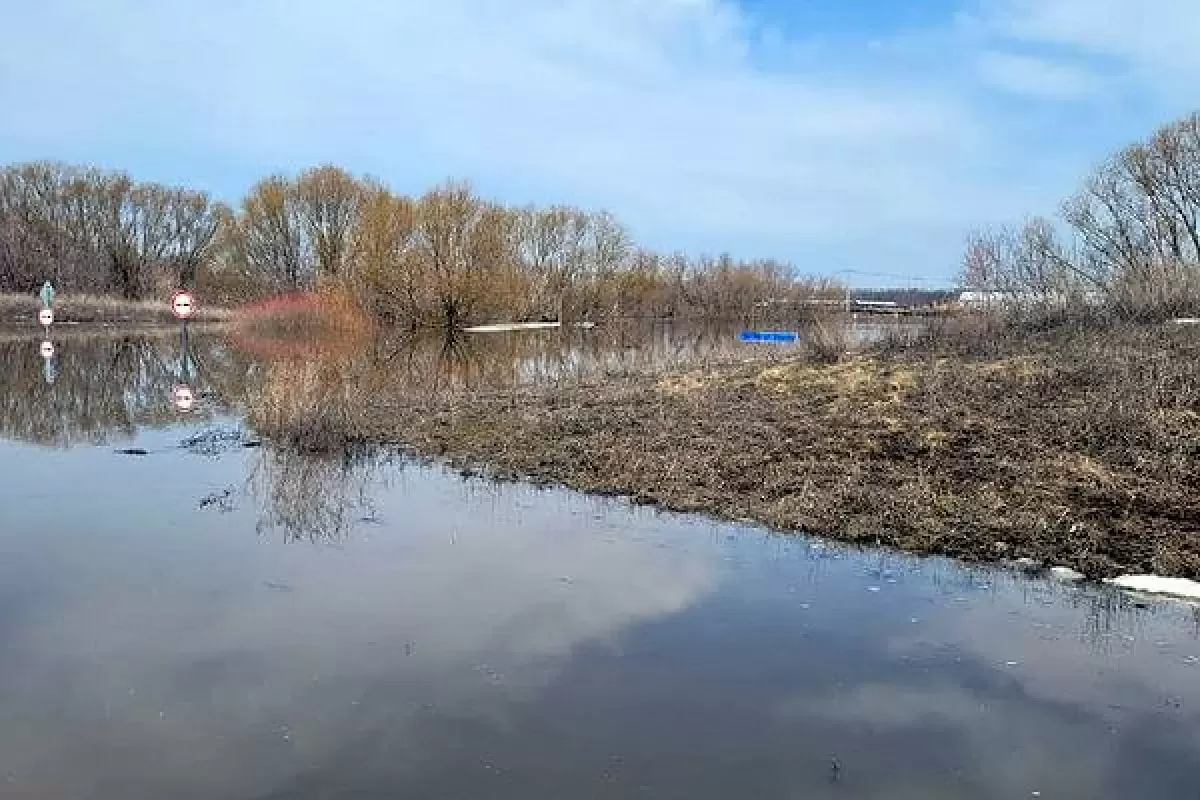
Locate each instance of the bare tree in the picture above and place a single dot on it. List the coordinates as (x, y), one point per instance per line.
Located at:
(386, 272)
(446, 221)
(192, 224)
(270, 235)
(328, 203)
(443, 259)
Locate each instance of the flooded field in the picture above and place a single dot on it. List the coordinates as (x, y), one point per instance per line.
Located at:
(190, 610)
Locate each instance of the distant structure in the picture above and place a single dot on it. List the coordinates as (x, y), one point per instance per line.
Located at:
(877, 301)
(998, 299)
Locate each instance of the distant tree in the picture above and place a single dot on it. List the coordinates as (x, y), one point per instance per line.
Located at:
(386, 272)
(269, 234)
(328, 204)
(1136, 225)
(192, 226)
(444, 259)
(447, 218)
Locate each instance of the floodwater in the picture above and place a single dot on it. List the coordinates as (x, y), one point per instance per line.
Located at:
(189, 611)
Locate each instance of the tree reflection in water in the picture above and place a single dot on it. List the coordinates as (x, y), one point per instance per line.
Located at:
(309, 478)
(107, 387)
(104, 387)
(313, 497)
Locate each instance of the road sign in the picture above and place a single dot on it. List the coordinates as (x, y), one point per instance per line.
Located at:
(183, 398)
(47, 350)
(182, 304)
(46, 317)
(785, 337)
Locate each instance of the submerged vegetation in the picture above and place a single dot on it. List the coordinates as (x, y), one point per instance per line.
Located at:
(1075, 447)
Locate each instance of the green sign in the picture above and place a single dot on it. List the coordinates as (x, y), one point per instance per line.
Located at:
(47, 295)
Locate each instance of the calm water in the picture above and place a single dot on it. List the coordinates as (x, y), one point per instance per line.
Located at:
(219, 618)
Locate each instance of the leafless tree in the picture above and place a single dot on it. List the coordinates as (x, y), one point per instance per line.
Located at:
(328, 203)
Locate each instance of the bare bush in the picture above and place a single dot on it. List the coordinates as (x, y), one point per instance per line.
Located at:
(827, 340)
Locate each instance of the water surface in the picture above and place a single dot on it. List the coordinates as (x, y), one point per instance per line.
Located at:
(189, 611)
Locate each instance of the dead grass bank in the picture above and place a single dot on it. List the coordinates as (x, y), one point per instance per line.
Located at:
(22, 310)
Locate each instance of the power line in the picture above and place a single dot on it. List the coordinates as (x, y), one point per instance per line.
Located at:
(891, 275)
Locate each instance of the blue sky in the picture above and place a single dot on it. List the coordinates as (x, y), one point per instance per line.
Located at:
(856, 138)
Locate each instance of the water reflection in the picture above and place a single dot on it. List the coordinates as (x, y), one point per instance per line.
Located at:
(49, 361)
(81, 388)
(86, 390)
(461, 639)
(416, 368)
(227, 617)
(314, 497)
(89, 389)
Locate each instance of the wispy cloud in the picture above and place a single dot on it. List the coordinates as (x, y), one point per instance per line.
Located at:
(1037, 76)
(703, 125)
(1152, 41)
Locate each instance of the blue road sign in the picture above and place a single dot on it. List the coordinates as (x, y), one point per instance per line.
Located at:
(785, 337)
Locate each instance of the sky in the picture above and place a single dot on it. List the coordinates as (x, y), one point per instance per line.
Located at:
(860, 139)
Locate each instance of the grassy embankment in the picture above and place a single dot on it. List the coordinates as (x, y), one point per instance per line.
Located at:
(22, 310)
(1075, 447)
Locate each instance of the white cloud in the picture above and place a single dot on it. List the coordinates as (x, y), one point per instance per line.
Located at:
(1036, 76)
(1153, 41)
(465, 600)
(698, 125)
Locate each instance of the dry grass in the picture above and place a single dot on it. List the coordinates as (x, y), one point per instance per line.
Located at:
(303, 316)
(826, 340)
(18, 309)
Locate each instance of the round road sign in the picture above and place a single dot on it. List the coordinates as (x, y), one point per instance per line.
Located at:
(182, 304)
(47, 350)
(46, 317)
(183, 398)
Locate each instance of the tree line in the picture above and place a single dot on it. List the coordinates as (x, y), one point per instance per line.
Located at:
(93, 231)
(1129, 238)
(446, 257)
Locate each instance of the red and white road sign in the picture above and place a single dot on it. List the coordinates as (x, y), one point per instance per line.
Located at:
(46, 317)
(182, 304)
(183, 397)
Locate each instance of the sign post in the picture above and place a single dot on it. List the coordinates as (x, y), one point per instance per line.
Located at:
(185, 353)
(49, 368)
(183, 398)
(183, 305)
(46, 318)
